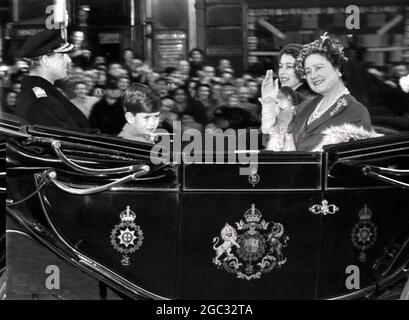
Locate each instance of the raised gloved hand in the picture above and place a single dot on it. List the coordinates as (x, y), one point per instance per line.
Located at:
(269, 93)
(269, 88)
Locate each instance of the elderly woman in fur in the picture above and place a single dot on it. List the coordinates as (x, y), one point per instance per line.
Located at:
(333, 116)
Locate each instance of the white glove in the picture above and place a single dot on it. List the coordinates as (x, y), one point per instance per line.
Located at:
(404, 83)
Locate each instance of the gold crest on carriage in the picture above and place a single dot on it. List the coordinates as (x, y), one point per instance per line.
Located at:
(252, 248)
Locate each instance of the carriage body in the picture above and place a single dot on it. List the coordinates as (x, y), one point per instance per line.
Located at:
(296, 227)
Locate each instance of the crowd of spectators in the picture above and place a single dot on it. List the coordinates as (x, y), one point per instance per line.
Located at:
(197, 93)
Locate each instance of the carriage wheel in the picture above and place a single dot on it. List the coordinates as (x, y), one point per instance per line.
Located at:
(405, 292)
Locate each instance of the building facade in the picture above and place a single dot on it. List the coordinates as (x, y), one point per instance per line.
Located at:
(248, 32)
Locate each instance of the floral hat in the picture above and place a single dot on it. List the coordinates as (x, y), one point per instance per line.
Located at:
(332, 49)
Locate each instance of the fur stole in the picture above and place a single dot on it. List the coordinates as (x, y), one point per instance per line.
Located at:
(344, 133)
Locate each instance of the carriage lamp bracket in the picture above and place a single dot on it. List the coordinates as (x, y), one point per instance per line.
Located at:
(324, 208)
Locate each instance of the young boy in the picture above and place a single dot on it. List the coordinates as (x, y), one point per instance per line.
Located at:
(142, 109)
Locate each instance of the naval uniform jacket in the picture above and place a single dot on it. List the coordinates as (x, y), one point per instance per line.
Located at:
(41, 103)
(345, 110)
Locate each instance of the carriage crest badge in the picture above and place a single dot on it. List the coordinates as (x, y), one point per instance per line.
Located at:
(364, 233)
(251, 248)
(254, 177)
(126, 237)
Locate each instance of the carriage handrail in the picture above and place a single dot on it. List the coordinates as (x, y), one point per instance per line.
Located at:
(389, 171)
(52, 176)
(358, 163)
(368, 171)
(56, 145)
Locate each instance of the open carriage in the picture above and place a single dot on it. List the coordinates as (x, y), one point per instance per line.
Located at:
(332, 224)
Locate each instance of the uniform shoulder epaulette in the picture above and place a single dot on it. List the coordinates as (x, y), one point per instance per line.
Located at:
(39, 92)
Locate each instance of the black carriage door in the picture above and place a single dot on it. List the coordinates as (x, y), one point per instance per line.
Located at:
(251, 237)
(371, 213)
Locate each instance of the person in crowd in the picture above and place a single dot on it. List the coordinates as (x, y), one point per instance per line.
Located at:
(142, 109)
(196, 59)
(244, 97)
(123, 83)
(82, 17)
(196, 107)
(227, 75)
(222, 65)
(10, 100)
(239, 82)
(4, 75)
(207, 74)
(81, 54)
(228, 90)
(101, 79)
(174, 77)
(322, 64)
(17, 78)
(16, 86)
(161, 86)
(181, 101)
(254, 90)
(82, 100)
(75, 72)
(114, 71)
(189, 110)
(286, 70)
(82, 23)
(191, 88)
(100, 60)
(216, 92)
(204, 96)
(108, 115)
(21, 66)
(169, 113)
(39, 101)
(232, 116)
(98, 91)
(140, 72)
(189, 122)
(89, 82)
(184, 69)
(128, 56)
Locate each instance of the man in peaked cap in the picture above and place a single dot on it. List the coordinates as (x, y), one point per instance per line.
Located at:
(40, 102)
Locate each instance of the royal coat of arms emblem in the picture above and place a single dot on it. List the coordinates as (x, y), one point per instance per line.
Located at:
(252, 248)
(126, 237)
(364, 233)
